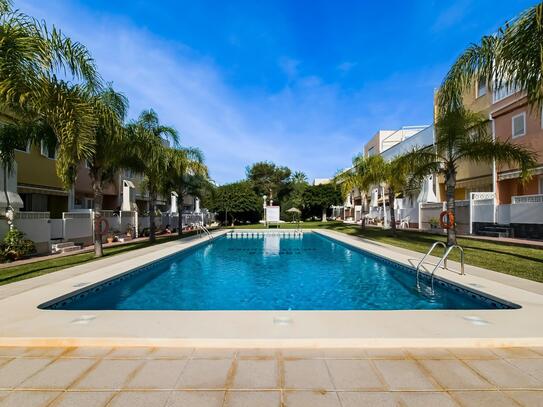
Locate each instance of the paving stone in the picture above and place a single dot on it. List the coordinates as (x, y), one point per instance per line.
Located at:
(196, 399)
(503, 374)
(18, 370)
(302, 353)
(12, 351)
(425, 399)
(311, 398)
(354, 375)
(430, 353)
(473, 353)
(516, 353)
(347, 353)
(404, 375)
(205, 374)
(29, 398)
(372, 399)
(129, 353)
(527, 398)
(386, 353)
(256, 374)
(171, 353)
(109, 375)
(483, 399)
(210, 353)
(454, 374)
(83, 399)
(533, 367)
(253, 399)
(307, 374)
(58, 375)
(44, 352)
(88, 352)
(140, 399)
(157, 374)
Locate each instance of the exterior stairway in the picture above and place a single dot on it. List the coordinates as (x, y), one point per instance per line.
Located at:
(496, 231)
(64, 247)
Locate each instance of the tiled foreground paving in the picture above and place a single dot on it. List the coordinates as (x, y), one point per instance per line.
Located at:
(245, 378)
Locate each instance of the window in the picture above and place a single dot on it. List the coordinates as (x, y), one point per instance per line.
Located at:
(481, 88)
(50, 153)
(519, 125)
(89, 203)
(541, 184)
(25, 147)
(504, 90)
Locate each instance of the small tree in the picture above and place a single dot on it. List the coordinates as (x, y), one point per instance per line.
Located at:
(268, 178)
(237, 200)
(321, 197)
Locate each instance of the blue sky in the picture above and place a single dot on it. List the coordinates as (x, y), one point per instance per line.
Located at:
(299, 83)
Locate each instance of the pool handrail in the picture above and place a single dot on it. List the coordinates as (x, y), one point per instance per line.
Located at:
(429, 252)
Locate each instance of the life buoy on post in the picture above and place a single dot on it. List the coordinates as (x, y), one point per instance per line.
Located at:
(450, 220)
(98, 225)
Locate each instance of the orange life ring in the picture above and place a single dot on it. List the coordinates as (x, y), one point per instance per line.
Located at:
(450, 219)
(98, 225)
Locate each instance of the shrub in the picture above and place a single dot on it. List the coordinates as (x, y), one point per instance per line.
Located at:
(15, 246)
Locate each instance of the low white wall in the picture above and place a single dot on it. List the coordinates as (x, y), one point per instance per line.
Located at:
(483, 211)
(429, 211)
(413, 214)
(503, 214)
(78, 227)
(527, 213)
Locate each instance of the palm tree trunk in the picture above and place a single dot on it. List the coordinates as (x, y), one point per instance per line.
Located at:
(180, 212)
(8, 204)
(391, 199)
(450, 183)
(324, 214)
(152, 226)
(97, 208)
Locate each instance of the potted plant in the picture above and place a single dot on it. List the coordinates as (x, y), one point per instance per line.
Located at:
(110, 237)
(129, 231)
(434, 223)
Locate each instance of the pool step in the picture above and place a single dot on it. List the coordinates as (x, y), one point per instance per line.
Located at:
(294, 234)
(64, 247)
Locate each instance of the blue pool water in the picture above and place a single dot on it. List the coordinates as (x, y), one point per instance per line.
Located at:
(272, 273)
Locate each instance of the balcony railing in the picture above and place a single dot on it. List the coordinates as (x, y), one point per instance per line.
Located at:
(528, 199)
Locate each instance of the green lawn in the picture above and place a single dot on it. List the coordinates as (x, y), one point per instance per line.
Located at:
(24, 271)
(518, 261)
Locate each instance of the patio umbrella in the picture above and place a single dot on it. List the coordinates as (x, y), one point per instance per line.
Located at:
(294, 211)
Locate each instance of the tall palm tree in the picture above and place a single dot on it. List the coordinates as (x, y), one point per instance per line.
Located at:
(110, 109)
(32, 57)
(512, 56)
(186, 170)
(147, 154)
(463, 136)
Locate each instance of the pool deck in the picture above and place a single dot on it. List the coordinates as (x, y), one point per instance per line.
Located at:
(23, 324)
(187, 377)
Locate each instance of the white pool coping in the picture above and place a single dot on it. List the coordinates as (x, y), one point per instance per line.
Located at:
(22, 323)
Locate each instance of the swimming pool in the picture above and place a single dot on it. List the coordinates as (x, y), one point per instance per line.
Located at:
(272, 271)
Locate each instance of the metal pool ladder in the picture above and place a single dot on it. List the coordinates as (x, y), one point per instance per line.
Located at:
(443, 258)
(205, 230)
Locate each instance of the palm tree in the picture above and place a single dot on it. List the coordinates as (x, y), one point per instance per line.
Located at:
(110, 110)
(147, 154)
(511, 57)
(32, 96)
(186, 171)
(463, 136)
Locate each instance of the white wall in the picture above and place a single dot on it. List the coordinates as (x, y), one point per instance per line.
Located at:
(78, 227)
(527, 213)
